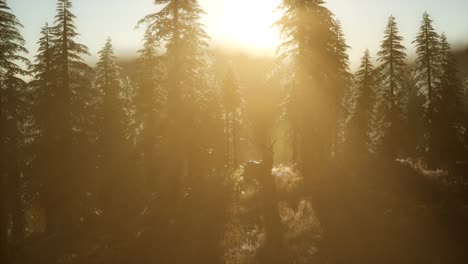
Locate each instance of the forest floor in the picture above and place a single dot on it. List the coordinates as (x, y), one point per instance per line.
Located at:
(401, 219)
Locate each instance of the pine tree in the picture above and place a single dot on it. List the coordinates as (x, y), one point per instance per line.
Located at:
(313, 42)
(390, 92)
(113, 141)
(425, 73)
(448, 108)
(149, 100)
(342, 80)
(43, 72)
(109, 85)
(231, 101)
(11, 89)
(359, 122)
(177, 25)
(188, 149)
(66, 97)
(44, 86)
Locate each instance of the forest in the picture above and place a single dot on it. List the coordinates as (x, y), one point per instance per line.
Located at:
(188, 154)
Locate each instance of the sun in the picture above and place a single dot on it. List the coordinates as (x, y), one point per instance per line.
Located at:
(248, 23)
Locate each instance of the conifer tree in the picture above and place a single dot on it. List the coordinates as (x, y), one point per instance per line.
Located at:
(313, 42)
(448, 107)
(43, 72)
(66, 97)
(44, 88)
(113, 143)
(11, 89)
(390, 92)
(359, 122)
(178, 25)
(149, 101)
(425, 73)
(187, 143)
(42, 68)
(342, 80)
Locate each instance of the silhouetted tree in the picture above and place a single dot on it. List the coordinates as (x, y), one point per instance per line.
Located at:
(313, 42)
(187, 147)
(448, 107)
(149, 102)
(177, 25)
(11, 88)
(43, 72)
(390, 92)
(425, 73)
(341, 79)
(66, 97)
(359, 122)
(114, 145)
(43, 87)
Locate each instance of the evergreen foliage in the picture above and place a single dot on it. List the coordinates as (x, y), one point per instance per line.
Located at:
(388, 120)
(359, 122)
(426, 76)
(314, 44)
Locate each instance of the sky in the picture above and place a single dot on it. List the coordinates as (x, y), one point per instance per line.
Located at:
(246, 24)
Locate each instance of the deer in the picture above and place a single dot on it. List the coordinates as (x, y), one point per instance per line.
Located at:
(261, 172)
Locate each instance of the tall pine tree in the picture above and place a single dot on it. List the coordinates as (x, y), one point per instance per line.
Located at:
(359, 122)
(187, 143)
(43, 72)
(149, 101)
(42, 89)
(448, 107)
(178, 25)
(341, 82)
(114, 144)
(425, 73)
(11, 89)
(313, 42)
(66, 95)
(390, 92)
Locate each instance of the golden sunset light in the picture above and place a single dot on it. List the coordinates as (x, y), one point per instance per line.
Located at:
(233, 132)
(252, 27)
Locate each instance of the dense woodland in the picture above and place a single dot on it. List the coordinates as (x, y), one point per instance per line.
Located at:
(191, 155)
